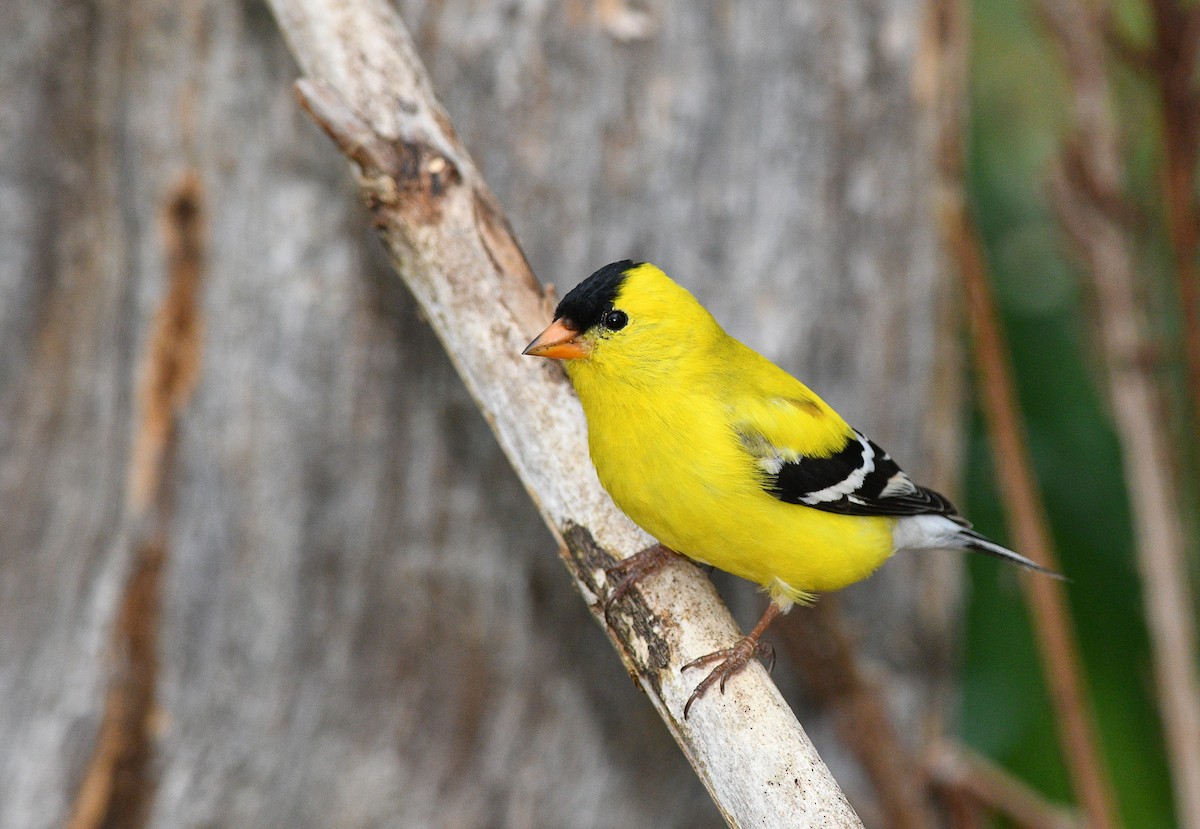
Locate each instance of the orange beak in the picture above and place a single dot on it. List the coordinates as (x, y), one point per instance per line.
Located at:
(558, 342)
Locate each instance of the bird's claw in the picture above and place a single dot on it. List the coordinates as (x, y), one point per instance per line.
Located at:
(632, 570)
(732, 660)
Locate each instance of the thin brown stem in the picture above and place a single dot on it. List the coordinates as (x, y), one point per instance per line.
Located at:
(1176, 40)
(962, 771)
(1107, 251)
(1053, 625)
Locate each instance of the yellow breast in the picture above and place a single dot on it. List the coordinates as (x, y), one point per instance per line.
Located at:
(672, 461)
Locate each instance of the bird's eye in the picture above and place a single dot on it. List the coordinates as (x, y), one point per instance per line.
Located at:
(615, 320)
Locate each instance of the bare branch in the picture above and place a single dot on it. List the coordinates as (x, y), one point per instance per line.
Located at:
(456, 252)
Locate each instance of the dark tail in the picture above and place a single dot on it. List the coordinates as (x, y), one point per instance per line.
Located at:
(977, 543)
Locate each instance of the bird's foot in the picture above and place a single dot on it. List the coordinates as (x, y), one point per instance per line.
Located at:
(630, 571)
(732, 660)
(736, 658)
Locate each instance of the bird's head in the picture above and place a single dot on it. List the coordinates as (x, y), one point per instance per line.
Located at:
(628, 318)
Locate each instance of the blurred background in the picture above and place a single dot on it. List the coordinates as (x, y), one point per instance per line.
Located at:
(1018, 124)
(261, 562)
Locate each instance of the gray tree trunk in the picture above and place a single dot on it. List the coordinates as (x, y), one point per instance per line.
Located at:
(262, 563)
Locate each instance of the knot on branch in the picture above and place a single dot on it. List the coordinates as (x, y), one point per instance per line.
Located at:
(407, 173)
(408, 176)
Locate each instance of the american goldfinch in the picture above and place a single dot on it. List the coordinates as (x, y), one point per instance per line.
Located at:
(728, 460)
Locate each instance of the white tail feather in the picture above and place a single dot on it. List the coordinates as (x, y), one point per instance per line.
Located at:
(923, 532)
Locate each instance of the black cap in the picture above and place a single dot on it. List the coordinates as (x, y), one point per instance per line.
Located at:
(587, 302)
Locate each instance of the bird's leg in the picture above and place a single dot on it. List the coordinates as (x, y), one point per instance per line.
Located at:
(734, 659)
(632, 570)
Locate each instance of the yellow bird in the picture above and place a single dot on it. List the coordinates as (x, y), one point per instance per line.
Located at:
(727, 459)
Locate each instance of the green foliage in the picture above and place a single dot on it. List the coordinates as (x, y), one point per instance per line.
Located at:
(1018, 108)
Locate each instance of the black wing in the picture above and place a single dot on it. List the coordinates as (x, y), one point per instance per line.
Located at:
(861, 479)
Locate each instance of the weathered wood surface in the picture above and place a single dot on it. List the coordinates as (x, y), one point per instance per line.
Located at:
(358, 618)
